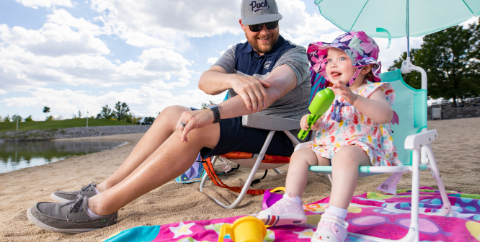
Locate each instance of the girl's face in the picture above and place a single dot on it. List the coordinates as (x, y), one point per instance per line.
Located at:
(339, 67)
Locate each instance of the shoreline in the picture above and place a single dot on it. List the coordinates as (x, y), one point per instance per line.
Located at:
(457, 151)
(76, 132)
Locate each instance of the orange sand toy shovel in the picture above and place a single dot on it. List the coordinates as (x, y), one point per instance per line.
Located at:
(246, 229)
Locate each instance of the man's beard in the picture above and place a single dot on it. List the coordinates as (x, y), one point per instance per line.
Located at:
(263, 49)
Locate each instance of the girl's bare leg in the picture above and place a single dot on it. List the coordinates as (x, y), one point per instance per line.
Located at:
(345, 174)
(298, 169)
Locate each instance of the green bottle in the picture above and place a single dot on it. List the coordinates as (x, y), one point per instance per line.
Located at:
(320, 104)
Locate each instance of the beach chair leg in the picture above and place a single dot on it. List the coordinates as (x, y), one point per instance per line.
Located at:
(205, 176)
(277, 171)
(446, 209)
(413, 234)
(240, 197)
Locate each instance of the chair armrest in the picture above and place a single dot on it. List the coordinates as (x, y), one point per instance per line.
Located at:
(267, 122)
(416, 141)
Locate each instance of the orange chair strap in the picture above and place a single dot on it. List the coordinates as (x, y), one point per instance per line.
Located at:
(207, 164)
(271, 159)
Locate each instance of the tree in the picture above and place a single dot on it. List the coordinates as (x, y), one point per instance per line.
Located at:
(149, 119)
(79, 114)
(451, 59)
(15, 117)
(121, 110)
(46, 110)
(29, 119)
(205, 105)
(6, 119)
(106, 112)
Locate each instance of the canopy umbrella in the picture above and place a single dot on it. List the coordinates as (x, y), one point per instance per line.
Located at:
(398, 18)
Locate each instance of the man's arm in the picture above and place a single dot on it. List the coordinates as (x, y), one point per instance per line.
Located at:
(251, 89)
(282, 80)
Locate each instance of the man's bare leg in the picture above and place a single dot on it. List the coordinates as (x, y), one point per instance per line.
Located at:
(168, 161)
(160, 130)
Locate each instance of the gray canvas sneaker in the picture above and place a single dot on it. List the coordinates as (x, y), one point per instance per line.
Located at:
(70, 217)
(63, 197)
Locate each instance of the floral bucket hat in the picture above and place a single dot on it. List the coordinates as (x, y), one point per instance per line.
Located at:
(361, 49)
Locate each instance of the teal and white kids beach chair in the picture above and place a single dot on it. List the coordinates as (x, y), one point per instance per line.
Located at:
(412, 140)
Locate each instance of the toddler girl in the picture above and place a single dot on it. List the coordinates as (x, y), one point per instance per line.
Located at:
(354, 132)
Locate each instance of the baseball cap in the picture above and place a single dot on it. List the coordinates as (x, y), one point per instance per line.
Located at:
(259, 11)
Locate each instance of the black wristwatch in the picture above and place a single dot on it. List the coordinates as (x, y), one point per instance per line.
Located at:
(216, 113)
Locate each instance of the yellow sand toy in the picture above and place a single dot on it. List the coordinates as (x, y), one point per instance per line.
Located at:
(246, 229)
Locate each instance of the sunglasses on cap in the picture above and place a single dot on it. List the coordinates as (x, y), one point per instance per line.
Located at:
(258, 27)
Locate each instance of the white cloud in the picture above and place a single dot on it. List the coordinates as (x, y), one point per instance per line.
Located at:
(21, 70)
(45, 3)
(53, 40)
(169, 17)
(212, 60)
(299, 26)
(62, 17)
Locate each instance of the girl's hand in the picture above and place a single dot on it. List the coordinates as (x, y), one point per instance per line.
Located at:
(303, 122)
(315, 126)
(345, 93)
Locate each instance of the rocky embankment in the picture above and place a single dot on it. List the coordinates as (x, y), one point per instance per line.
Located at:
(39, 135)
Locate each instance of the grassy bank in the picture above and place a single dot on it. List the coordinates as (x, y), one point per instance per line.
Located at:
(59, 124)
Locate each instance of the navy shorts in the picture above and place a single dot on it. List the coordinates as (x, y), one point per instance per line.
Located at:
(235, 137)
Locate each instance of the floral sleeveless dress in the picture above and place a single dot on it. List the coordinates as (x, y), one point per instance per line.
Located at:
(354, 128)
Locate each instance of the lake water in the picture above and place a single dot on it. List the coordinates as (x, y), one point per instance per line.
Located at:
(18, 155)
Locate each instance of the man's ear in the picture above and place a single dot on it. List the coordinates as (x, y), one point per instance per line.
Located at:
(366, 69)
(241, 25)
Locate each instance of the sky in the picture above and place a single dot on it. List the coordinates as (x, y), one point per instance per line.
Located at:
(80, 55)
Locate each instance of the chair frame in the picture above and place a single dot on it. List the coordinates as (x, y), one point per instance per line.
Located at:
(264, 122)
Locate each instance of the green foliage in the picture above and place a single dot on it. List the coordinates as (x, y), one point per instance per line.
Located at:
(29, 119)
(121, 110)
(451, 59)
(15, 117)
(106, 113)
(7, 119)
(46, 109)
(59, 124)
(205, 105)
(49, 118)
(149, 119)
(79, 114)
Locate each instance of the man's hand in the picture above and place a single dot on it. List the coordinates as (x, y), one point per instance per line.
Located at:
(252, 91)
(193, 120)
(345, 92)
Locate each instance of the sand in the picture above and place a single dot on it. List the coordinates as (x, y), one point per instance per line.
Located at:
(457, 151)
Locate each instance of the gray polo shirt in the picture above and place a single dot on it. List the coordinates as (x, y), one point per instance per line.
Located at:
(242, 60)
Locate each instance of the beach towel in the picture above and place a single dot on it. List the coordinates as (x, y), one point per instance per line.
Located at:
(374, 214)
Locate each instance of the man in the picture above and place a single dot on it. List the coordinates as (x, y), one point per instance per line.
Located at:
(267, 75)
